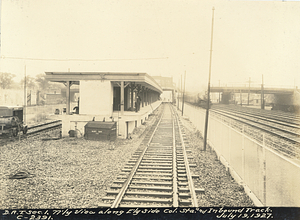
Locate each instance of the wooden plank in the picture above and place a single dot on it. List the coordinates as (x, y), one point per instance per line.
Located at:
(145, 182)
(151, 187)
(165, 194)
(147, 200)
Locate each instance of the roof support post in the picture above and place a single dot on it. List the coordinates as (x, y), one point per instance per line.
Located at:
(152, 97)
(122, 98)
(131, 95)
(147, 97)
(173, 97)
(68, 97)
(143, 96)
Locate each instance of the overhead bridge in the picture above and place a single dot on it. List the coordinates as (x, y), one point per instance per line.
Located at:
(281, 96)
(256, 90)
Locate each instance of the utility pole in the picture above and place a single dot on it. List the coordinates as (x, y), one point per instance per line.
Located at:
(181, 87)
(219, 92)
(178, 93)
(262, 94)
(249, 90)
(25, 97)
(183, 93)
(241, 98)
(208, 87)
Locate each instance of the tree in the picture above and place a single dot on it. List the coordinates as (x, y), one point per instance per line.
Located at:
(30, 82)
(6, 80)
(42, 82)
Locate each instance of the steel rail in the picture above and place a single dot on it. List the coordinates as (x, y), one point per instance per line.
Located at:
(175, 183)
(40, 125)
(188, 172)
(124, 188)
(28, 134)
(262, 116)
(234, 114)
(282, 116)
(252, 123)
(44, 129)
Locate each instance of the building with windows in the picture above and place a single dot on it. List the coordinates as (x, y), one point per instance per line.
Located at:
(125, 98)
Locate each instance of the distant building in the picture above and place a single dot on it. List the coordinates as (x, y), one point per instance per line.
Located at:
(168, 87)
(164, 82)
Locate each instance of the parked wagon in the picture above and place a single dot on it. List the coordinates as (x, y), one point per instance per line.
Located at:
(11, 120)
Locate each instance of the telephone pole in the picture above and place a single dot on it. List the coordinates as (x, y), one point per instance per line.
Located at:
(178, 94)
(181, 88)
(262, 93)
(249, 90)
(219, 92)
(25, 96)
(208, 87)
(183, 93)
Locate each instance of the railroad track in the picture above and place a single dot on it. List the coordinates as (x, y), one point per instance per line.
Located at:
(280, 129)
(278, 135)
(281, 118)
(33, 131)
(158, 174)
(44, 127)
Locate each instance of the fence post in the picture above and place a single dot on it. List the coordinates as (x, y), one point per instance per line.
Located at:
(264, 172)
(243, 153)
(229, 145)
(221, 142)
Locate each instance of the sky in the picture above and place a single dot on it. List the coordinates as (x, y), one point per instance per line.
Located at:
(251, 39)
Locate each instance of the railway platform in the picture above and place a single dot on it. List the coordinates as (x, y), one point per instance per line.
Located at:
(126, 121)
(107, 96)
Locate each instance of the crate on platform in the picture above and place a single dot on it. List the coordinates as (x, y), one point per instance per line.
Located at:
(98, 130)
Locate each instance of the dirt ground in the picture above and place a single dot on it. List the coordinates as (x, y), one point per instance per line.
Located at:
(74, 172)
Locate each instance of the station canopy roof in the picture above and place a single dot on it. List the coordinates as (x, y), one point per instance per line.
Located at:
(142, 79)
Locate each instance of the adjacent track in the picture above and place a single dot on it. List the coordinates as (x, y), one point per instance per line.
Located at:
(44, 127)
(32, 131)
(280, 128)
(278, 131)
(158, 174)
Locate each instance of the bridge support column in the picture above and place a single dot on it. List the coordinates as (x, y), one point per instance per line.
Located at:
(68, 84)
(226, 97)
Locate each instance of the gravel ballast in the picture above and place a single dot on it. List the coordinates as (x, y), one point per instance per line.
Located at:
(75, 173)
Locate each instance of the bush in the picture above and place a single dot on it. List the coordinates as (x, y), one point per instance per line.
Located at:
(40, 117)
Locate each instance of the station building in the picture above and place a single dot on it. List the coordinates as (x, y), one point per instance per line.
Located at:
(125, 98)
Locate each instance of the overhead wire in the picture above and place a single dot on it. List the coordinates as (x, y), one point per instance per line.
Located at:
(84, 60)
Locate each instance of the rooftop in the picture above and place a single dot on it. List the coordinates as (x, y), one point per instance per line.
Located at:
(142, 78)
